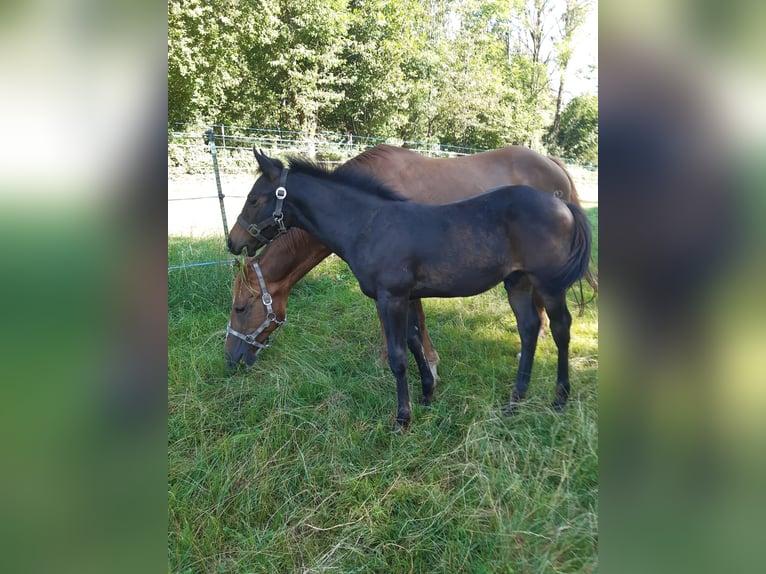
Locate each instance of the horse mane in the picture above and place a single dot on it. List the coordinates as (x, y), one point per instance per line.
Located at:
(348, 176)
(294, 242)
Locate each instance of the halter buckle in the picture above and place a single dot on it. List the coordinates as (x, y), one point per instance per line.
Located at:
(280, 192)
(266, 298)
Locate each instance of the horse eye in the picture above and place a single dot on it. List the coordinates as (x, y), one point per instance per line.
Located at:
(240, 309)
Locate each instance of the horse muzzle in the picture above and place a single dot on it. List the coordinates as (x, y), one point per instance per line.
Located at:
(238, 351)
(236, 246)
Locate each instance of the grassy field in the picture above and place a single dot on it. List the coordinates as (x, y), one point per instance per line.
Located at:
(292, 466)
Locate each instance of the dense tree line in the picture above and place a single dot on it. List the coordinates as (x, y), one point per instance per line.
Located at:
(476, 73)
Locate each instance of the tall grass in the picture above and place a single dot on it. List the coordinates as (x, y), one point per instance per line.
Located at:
(291, 466)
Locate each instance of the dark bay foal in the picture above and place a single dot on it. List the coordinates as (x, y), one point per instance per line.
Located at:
(418, 178)
(401, 251)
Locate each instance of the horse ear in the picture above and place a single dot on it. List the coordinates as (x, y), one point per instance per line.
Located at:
(268, 167)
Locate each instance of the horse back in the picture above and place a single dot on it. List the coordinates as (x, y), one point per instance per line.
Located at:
(438, 180)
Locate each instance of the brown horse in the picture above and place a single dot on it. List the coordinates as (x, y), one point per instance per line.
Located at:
(287, 259)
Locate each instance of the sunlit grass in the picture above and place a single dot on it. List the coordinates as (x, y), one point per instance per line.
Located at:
(291, 466)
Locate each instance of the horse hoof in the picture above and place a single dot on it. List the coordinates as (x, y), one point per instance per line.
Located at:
(511, 409)
(558, 406)
(401, 428)
(425, 401)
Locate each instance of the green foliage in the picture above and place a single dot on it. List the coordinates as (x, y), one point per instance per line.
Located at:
(443, 71)
(202, 74)
(383, 60)
(578, 133)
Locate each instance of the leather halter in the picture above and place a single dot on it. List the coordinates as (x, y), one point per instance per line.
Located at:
(276, 219)
(271, 317)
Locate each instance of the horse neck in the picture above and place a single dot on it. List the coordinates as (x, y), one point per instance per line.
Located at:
(289, 258)
(330, 211)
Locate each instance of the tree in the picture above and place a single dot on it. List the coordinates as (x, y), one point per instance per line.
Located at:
(204, 67)
(481, 101)
(574, 15)
(473, 73)
(578, 134)
(382, 59)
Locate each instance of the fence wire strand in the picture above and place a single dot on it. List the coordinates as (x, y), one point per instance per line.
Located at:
(231, 141)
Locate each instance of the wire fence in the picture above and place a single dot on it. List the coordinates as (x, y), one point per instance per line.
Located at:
(321, 143)
(227, 149)
(202, 264)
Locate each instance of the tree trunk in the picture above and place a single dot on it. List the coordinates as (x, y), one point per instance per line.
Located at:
(557, 115)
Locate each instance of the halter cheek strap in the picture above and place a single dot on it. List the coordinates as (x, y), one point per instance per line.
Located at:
(276, 219)
(271, 317)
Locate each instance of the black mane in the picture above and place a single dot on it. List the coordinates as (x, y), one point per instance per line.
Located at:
(344, 175)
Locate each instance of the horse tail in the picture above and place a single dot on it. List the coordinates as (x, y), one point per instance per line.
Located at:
(590, 276)
(577, 262)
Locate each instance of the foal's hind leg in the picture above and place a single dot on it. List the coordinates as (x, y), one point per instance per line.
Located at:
(521, 299)
(561, 322)
(415, 343)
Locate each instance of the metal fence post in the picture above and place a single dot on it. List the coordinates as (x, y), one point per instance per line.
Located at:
(211, 140)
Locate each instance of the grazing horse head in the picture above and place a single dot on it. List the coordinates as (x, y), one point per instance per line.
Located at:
(255, 314)
(262, 219)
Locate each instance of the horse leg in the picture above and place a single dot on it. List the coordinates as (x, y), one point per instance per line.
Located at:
(428, 347)
(521, 299)
(383, 359)
(393, 312)
(415, 343)
(540, 306)
(561, 322)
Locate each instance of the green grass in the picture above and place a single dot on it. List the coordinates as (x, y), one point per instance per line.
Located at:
(291, 466)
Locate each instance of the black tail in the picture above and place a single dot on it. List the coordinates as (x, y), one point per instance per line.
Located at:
(576, 265)
(591, 276)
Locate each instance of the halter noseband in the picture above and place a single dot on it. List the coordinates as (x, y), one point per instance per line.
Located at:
(271, 317)
(276, 219)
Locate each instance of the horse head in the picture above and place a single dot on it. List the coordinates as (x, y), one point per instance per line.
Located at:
(255, 314)
(261, 219)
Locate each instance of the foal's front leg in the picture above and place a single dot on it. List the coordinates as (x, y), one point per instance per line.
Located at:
(416, 318)
(393, 313)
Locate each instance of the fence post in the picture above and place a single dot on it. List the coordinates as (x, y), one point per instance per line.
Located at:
(211, 140)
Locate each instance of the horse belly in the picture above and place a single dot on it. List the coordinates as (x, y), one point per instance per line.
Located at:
(458, 279)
